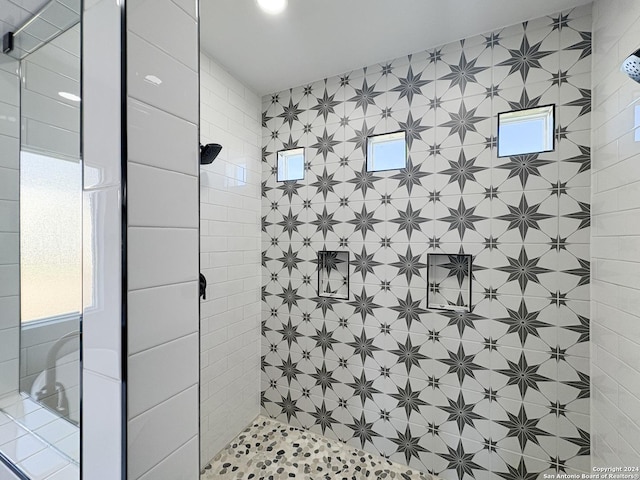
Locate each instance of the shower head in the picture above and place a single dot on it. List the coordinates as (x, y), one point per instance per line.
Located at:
(631, 66)
(209, 152)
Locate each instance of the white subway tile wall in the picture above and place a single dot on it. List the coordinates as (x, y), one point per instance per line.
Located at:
(9, 228)
(162, 206)
(102, 242)
(229, 258)
(615, 248)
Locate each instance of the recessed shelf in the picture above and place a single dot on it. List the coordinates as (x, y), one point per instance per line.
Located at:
(333, 274)
(449, 281)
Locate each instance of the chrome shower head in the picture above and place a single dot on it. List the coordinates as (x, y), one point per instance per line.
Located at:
(631, 66)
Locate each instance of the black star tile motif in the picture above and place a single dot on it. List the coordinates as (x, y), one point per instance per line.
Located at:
(408, 354)
(368, 367)
(583, 46)
(462, 218)
(410, 85)
(408, 399)
(523, 428)
(364, 263)
(523, 59)
(461, 461)
(523, 269)
(365, 96)
(363, 346)
(461, 412)
(523, 375)
(326, 105)
(363, 304)
(290, 114)
(461, 364)
(463, 170)
(462, 122)
(523, 322)
(410, 176)
(409, 310)
(462, 73)
(409, 220)
(363, 430)
(408, 444)
(524, 217)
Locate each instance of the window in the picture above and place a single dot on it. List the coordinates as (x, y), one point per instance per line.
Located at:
(50, 236)
(526, 131)
(290, 165)
(386, 152)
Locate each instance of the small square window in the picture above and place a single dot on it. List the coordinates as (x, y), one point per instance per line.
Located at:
(386, 152)
(290, 165)
(526, 131)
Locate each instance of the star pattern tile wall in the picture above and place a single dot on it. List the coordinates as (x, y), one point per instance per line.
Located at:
(498, 392)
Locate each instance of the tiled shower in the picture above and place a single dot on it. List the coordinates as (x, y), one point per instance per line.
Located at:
(502, 388)
(342, 304)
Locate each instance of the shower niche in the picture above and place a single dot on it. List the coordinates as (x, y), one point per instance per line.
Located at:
(333, 274)
(449, 281)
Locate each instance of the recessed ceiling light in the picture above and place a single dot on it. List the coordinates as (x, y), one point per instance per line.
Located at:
(273, 7)
(69, 96)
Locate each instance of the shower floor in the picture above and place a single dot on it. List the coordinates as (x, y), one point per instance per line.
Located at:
(271, 450)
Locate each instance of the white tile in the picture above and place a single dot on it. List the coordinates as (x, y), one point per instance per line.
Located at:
(102, 246)
(50, 111)
(51, 81)
(9, 152)
(9, 280)
(161, 198)
(9, 341)
(189, 6)
(9, 248)
(162, 140)
(9, 312)
(157, 374)
(9, 216)
(159, 432)
(9, 183)
(9, 377)
(159, 80)
(42, 136)
(71, 472)
(10, 431)
(101, 94)
(101, 432)
(22, 448)
(161, 256)
(43, 464)
(180, 465)
(9, 88)
(161, 315)
(173, 30)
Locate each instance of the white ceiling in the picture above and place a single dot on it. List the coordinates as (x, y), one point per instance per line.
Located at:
(314, 39)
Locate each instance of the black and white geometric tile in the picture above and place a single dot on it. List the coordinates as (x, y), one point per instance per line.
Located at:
(498, 392)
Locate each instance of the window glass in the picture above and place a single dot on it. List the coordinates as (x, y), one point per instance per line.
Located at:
(290, 165)
(50, 236)
(387, 152)
(526, 131)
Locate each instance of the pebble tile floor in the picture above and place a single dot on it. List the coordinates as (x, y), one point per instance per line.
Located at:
(270, 450)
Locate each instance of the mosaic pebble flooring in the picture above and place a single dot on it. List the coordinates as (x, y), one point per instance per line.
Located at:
(270, 450)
